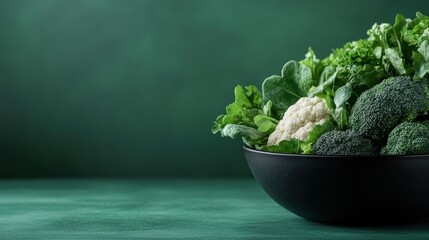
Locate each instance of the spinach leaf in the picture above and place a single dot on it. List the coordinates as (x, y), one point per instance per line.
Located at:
(285, 90)
(421, 60)
(267, 109)
(327, 81)
(265, 124)
(314, 64)
(343, 94)
(396, 61)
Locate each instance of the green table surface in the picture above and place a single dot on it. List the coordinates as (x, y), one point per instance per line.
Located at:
(163, 209)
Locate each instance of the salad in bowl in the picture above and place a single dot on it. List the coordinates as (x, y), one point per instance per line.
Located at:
(343, 139)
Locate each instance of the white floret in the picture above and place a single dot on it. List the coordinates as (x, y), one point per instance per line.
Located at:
(300, 119)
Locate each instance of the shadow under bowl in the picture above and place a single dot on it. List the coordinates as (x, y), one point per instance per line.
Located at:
(358, 190)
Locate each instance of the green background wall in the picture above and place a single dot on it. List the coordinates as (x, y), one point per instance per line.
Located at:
(130, 88)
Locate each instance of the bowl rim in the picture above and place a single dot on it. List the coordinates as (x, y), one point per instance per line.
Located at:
(246, 148)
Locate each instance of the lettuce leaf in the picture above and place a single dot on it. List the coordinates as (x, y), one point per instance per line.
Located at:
(246, 117)
(247, 105)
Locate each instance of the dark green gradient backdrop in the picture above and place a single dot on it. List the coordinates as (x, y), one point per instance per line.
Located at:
(130, 88)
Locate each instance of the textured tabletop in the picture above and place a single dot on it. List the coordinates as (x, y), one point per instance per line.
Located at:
(163, 209)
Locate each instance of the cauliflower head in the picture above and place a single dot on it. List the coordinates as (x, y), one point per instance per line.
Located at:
(299, 120)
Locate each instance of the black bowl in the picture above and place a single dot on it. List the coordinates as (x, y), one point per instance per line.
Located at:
(345, 189)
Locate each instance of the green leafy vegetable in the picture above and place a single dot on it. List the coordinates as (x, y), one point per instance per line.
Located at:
(314, 64)
(235, 130)
(265, 124)
(393, 57)
(247, 105)
(421, 60)
(285, 90)
(246, 117)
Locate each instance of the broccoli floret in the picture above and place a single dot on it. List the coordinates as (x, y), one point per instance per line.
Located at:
(408, 138)
(378, 110)
(344, 143)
